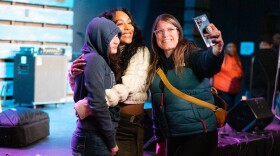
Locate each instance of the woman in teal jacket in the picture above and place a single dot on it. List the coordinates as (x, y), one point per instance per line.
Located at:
(190, 129)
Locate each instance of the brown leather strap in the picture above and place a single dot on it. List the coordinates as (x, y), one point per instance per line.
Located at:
(183, 95)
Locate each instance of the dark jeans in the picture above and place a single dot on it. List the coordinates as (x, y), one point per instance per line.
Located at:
(130, 135)
(203, 144)
(88, 143)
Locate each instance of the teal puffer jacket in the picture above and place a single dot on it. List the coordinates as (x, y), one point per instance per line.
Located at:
(183, 118)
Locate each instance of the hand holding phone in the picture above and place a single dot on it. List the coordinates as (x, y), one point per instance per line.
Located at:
(202, 23)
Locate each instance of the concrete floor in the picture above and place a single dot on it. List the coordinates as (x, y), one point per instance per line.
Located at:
(62, 125)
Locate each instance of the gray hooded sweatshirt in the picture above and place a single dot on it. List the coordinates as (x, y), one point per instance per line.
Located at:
(97, 77)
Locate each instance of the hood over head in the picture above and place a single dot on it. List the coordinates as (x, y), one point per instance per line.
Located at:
(100, 31)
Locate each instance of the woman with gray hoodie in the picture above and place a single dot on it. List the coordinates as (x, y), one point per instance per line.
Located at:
(95, 135)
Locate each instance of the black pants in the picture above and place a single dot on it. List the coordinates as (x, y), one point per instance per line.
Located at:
(203, 144)
(130, 135)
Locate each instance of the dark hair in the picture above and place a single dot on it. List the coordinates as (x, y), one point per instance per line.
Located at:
(266, 38)
(235, 55)
(120, 61)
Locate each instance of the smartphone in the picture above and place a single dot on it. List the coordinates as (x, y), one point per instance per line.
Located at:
(201, 23)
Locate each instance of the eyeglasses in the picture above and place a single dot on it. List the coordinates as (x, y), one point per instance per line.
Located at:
(161, 32)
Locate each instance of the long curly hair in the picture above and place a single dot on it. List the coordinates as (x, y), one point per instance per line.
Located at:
(120, 61)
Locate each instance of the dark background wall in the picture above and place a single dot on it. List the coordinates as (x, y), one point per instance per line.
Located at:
(245, 20)
(239, 20)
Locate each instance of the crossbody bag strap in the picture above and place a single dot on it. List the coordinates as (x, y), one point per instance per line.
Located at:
(183, 95)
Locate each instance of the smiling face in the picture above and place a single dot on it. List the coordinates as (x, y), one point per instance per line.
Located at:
(124, 22)
(167, 37)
